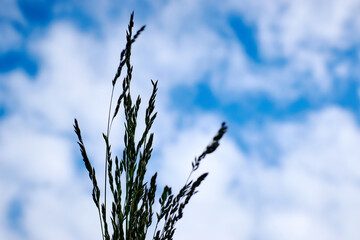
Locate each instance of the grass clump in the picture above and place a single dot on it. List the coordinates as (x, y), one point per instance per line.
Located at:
(133, 197)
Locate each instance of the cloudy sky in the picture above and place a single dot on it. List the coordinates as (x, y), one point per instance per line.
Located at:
(283, 74)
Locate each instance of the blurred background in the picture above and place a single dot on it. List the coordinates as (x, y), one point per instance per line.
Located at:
(283, 74)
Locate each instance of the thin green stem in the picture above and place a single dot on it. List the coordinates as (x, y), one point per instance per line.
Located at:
(101, 225)
(107, 152)
(187, 180)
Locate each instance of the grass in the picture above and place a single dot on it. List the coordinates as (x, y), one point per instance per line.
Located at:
(133, 197)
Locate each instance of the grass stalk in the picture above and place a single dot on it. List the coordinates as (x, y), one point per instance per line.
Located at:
(132, 216)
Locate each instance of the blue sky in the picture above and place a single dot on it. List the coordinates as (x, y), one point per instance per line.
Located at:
(283, 74)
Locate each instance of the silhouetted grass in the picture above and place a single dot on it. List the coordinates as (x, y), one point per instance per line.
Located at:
(132, 216)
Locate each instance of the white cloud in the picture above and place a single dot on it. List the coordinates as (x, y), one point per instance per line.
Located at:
(291, 26)
(304, 35)
(295, 225)
(61, 213)
(176, 58)
(313, 190)
(32, 155)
